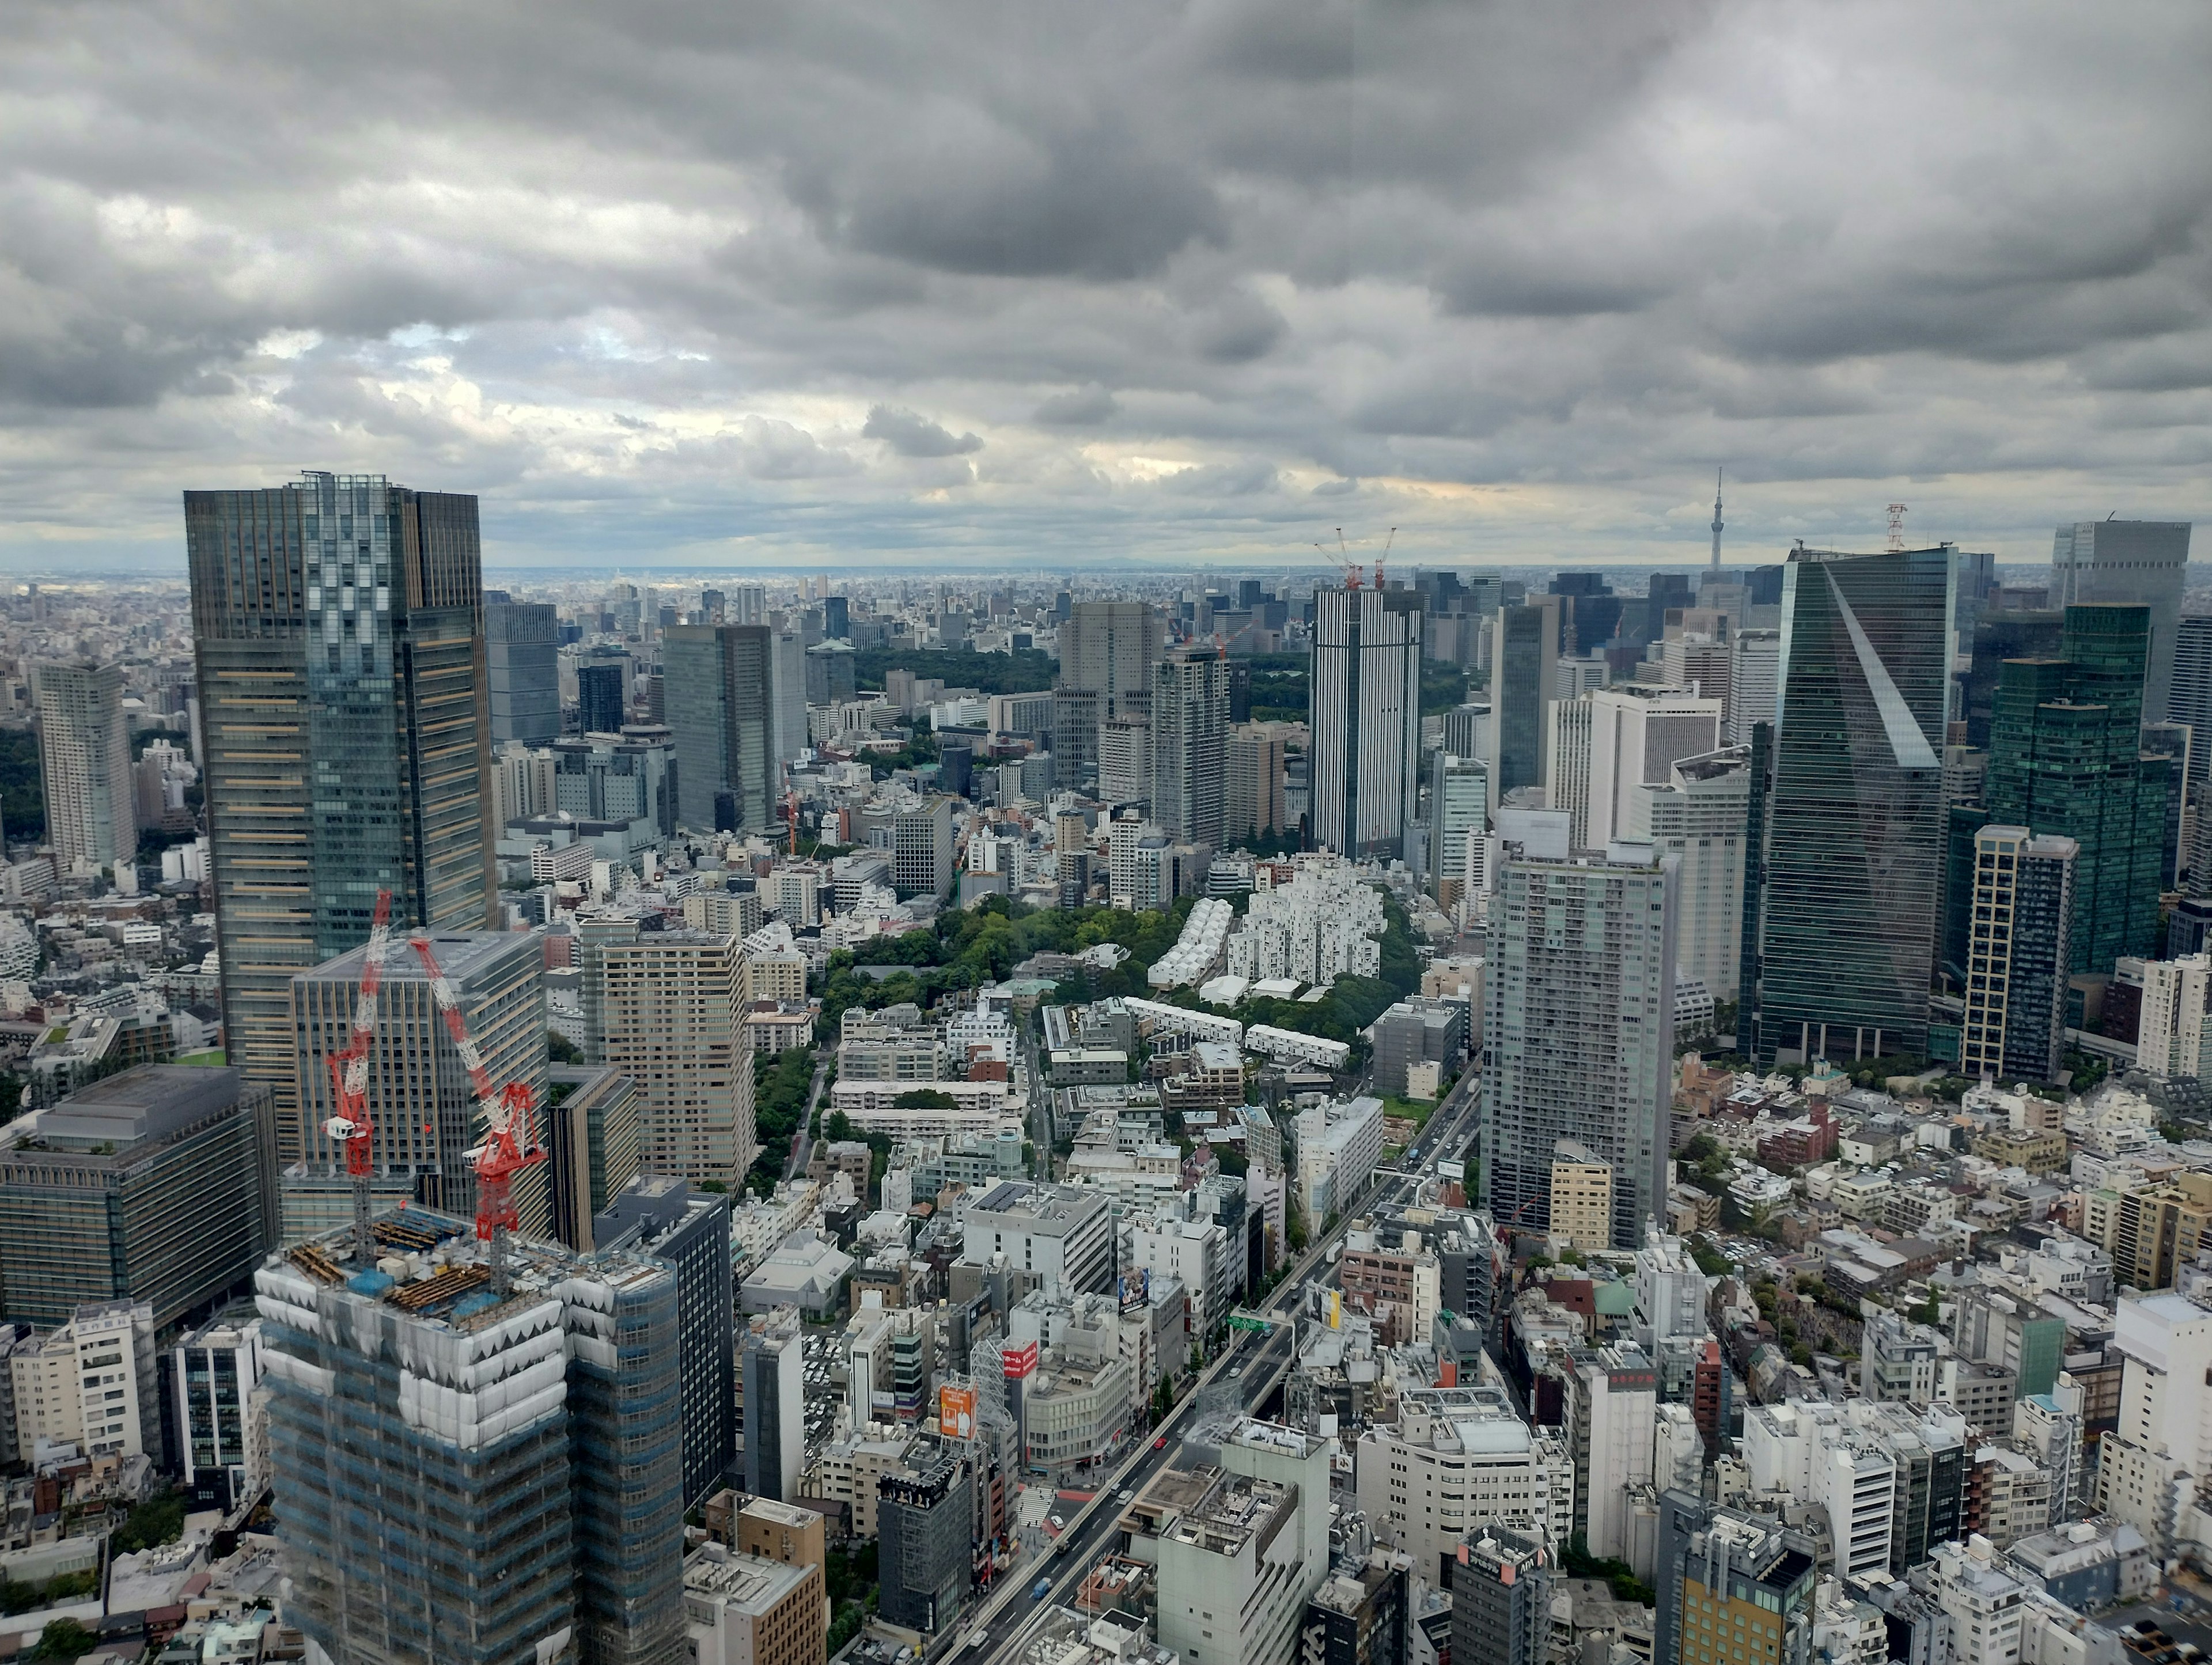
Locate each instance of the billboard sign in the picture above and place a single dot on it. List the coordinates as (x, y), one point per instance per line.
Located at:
(955, 1412)
(1019, 1359)
(1136, 1290)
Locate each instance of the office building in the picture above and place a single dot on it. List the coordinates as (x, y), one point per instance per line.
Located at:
(721, 709)
(921, 848)
(1501, 1608)
(2170, 1026)
(788, 677)
(1454, 1455)
(1110, 648)
(1567, 759)
(1523, 670)
(1125, 760)
(772, 1374)
(157, 1186)
(348, 735)
(1366, 755)
(1581, 1197)
(1580, 1021)
(84, 764)
(90, 1384)
(420, 1099)
(1701, 813)
(628, 779)
(1252, 795)
(924, 1542)
(2189, 697)
(2135, 562)
(589, 1122)
(603, 694)
(2017, 958)
(1061, 1235)
(687, 1230)
(222, 1436)
(1638, 732)
(522, 649)
(1459, 796)
(2067, 759)
(1852, 831)
(1075, 717)
(1190, 728)
(1754, 682)
(1360, 1614)
(1734, 1587)
(520, 1449)
(741, 1609)
(672, 1020)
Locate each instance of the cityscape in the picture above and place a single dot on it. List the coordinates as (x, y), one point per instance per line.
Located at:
(1207, 832)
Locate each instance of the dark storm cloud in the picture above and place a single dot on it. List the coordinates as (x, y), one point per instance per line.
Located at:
(1162, 276)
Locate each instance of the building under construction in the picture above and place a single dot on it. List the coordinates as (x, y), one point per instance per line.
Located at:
(472, 1469)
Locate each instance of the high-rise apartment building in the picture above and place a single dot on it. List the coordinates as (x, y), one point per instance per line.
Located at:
(2067, 759)
(1523, 674)
(420, 1100)
(1365, 756)
(721, 708)
(157, 1185)
(1110, 648)
(347, 729)
(2170, 1026)
(1252, 796)
(673, 1020)
(2017, 956)
(89, 1384)
(84, 762)
(1638, 732)
(1701, 813)
(688, 1230)
(2129, 562)
(1190, 728)
(522, 666)
(1567, 737)
(520, 1448)
(1125, 760)
(1852, 828)
(589, 1122)
(1580, 1020)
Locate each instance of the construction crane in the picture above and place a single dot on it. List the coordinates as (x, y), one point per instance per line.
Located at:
(349, 1125)
(1355, 573)
(1896, 526)
(509, 1143)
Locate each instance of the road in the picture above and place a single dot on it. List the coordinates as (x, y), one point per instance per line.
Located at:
(802, 1144)
(1007, 1613)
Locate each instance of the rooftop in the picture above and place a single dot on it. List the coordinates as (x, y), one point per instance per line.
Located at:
(115, 1117)
(752, 1585)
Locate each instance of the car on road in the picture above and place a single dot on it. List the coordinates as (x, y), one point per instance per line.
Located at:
(1125, 1494)
(1041, 1590)
(1161, 1443)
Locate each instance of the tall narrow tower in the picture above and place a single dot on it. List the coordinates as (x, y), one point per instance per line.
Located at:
(1717, 524)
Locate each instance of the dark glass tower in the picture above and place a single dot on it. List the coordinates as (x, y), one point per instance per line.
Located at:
(1524, 660)
(522, 647)
(1854, 825)
(599, 698)
(2066, 758)
(1366, 711)
(341, 680)
(720, 707)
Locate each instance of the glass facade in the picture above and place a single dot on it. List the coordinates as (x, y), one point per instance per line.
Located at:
(1366, 709)
(2066, 758)
(522, 647)
(1854, 823)
(341, 667)
(1521, 689)
(721, 711)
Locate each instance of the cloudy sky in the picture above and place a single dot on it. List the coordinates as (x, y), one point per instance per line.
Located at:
(943, 284)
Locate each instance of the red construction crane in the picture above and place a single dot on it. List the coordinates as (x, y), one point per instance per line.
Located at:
(348, 1124)
(510, 1141)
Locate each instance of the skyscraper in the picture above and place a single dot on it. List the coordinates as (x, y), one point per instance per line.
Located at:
(2066, 757)
(348, 732)
(1579, 1016)
(420, 1098)
(773, 1375)
(1110, 648)
(84, 763)
(721, 708)
(522, 647)
(2128, 561)
(1524, 660)
(1853, 828)
(1366, 748)
(1501, 1609)
(1459, 793)
(673, 1021)
(1252, 801)
(2189, 700)
(1701, 813)
(1190, 724)
(1638, 731)
(601, 707)
(1567, 766)
(520, 1451)
(2017, 958)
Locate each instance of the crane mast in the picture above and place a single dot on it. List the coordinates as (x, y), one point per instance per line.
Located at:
(349, 1125)
(509, 1143)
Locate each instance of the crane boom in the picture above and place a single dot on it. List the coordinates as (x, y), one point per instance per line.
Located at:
(509, 1143)
(349, 1125)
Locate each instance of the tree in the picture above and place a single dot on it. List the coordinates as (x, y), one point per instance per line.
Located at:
(65, 1638)
(561, 1049)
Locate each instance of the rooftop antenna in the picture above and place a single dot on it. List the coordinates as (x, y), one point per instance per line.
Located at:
(1896, 526)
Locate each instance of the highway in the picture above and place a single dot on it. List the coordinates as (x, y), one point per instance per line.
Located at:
(992, 1634)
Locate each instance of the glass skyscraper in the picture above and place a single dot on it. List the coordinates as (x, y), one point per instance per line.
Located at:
(721, 708)
(1853, 826)
(2067, 759)
(522, 647)
(1366, 755)
(340, 640)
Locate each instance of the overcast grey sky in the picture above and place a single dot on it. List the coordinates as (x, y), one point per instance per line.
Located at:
(939, 284)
